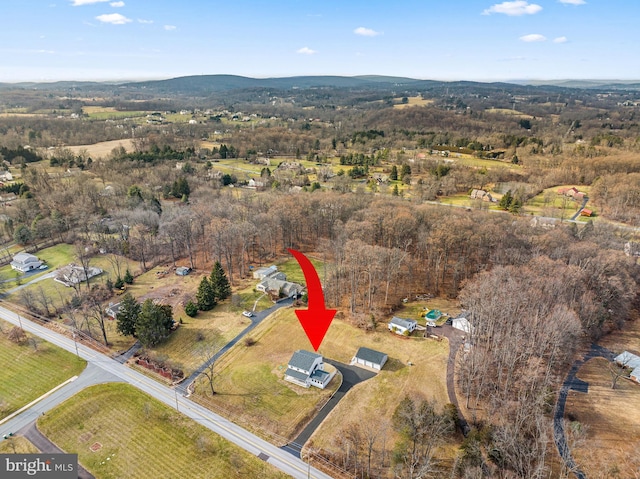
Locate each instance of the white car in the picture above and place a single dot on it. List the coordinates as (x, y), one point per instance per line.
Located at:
(248, 314)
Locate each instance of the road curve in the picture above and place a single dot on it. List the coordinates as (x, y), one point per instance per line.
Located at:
(280, 459)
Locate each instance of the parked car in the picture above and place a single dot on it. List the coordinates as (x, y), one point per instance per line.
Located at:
(248, 314)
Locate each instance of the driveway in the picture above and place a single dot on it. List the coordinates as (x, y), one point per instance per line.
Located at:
(456, 339)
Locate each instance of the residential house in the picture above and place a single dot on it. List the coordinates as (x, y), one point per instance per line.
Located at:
(307, 369)
(113, 310)
(262, 273)
(402, 326)
(73, 274)
(284, 289)
(369, 358)
(6, 176)
(631, 361)
(462, 323)
(586, 212)
(25, 262)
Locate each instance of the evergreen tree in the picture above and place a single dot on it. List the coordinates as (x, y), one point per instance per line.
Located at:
(506, 200)
(154, 323)
(406, 170)
(191, 309)
(128, 277)
(393, 176)
(219, 282)
(127, 317)
(205, 297)
(395, 191)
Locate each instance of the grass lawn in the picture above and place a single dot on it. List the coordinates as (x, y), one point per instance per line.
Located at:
(55, 256)
(250, 385)
(26, 374)
(138, 436)
(550, 203)
(17, 445)
(376, 399)
(612, 418)
(294, 273)
(416, 309)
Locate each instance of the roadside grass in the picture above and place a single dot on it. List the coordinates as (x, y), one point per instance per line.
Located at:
(250, 386)
(612, 421)
(141, 437)
(18, 445)
(26, 374)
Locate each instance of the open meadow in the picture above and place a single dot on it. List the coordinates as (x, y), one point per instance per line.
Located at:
(28, 371)
(118, 431)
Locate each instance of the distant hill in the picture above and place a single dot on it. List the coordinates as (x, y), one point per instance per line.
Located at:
(584, 84)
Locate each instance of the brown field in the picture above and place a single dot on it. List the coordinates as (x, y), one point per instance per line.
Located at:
(508, 111)
(612, 418)
(251, 388)
(413, 101)
(102, 149)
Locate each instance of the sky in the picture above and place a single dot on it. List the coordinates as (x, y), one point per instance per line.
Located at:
(481, 40)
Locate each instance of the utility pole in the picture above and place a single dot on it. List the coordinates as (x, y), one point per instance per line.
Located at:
(73, 333)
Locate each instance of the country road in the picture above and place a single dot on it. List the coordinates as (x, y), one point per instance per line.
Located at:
(111, 370)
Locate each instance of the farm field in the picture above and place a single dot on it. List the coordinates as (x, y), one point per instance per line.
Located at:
(27, 373)
(104, 148)
(142, 437)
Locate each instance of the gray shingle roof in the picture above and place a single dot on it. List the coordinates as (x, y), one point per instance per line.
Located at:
(371, 355)
(296, 375)
(302, 359)
(405, 323)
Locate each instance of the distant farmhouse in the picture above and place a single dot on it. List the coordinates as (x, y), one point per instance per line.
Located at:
(482, 195)
(307, 369)
(402, 326)
(25, 262)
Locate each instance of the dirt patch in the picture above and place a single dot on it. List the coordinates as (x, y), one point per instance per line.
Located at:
(85, 436)
(95, 447)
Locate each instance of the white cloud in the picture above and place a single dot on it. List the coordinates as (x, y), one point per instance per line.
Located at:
(170, 27)
(78, 3)
(113, 18)
(560, 40)
(514, 9)
(146, 22)
(306, 51)
(573, 2)
(117, 4)
(366, 32)
(533, 37)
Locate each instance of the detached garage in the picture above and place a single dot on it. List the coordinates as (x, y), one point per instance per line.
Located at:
(369, 358)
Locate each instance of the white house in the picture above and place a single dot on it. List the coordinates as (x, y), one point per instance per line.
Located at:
(462, 324)
(632, 361)
(307, 369)
(288, 289)
(262, 273)
(402, 326)
(73, 274)
(6, 176)
(370, 358)
(25, 262)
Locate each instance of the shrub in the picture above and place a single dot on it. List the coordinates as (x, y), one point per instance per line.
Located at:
(191, 309)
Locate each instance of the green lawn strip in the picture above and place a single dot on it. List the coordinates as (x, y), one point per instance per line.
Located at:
(26, 374)
(115, 115)
(141, 437)
(291, 268)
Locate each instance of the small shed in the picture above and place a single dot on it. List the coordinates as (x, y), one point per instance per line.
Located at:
(369, 358)
(462, 324)
(183, 270)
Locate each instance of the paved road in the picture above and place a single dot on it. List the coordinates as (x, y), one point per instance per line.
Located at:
(351, 375)
(225, 428)
(255, 320)
(571, 382)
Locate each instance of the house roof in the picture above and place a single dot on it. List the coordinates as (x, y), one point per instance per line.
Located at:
(628, 360)
(25, 258)
(371, 355)
(296, 375)
(405, 323)
(302, 359)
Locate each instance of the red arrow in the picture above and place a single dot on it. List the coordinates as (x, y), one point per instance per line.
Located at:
(316, 320)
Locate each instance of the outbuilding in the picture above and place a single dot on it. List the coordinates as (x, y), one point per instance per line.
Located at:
(369, 358)
(462, 323)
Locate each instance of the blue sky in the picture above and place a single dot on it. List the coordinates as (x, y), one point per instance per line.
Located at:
(430, 39)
